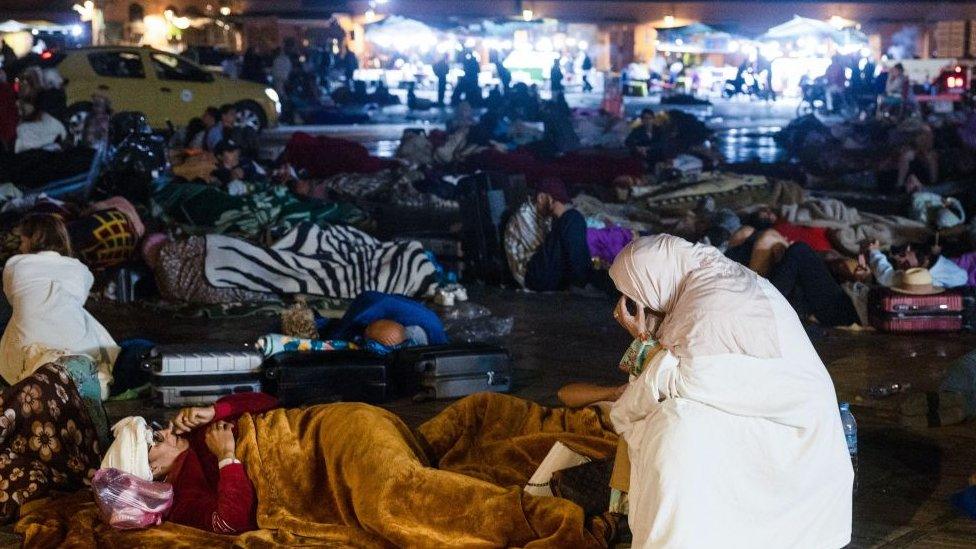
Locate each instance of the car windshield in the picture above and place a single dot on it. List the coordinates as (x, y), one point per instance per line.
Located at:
(171, 67)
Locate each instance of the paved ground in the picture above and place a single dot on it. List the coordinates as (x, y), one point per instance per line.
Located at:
(743, 127)
(905, 474)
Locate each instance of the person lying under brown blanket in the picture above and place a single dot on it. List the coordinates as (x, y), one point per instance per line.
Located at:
(353, 475)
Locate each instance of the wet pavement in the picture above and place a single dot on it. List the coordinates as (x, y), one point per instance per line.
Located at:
(743, 128)
(905, 475)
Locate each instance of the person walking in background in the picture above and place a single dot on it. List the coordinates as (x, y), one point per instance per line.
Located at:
(280, 71)
(349, 65)
(441, 68)
(252, 68)
(587, 66)
(556, 78)
(504, 75)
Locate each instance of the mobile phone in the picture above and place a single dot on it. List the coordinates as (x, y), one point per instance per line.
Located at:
(631, 306)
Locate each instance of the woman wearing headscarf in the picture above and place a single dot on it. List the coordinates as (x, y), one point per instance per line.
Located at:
(733, 428)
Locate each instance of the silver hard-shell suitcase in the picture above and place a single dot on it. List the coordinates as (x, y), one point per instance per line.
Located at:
(193, 375)
(457, 370)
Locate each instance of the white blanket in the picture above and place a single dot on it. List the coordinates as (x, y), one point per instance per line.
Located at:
(48, 292)
(734, 451)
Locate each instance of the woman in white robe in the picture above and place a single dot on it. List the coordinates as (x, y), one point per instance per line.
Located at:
(47, 289)
(733, 428)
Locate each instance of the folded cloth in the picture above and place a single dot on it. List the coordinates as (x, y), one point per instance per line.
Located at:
(272, 344)
(130, 451)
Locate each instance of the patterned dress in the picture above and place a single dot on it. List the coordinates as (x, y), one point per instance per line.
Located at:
(47, 440)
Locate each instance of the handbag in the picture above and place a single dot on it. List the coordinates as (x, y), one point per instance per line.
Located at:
(586, 485)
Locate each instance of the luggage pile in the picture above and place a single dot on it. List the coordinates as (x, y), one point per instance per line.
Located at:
(185, 375)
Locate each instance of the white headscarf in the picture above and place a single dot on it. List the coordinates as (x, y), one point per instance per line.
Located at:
(711, 304)
(130, 451)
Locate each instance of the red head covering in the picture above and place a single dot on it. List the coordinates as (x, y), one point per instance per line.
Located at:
(554, 188)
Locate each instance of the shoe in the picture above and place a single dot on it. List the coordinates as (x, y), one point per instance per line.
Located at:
(444, 298)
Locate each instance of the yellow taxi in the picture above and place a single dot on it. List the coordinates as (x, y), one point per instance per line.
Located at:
(164, 86)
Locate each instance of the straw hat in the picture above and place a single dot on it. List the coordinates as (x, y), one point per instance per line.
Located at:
(916, 281)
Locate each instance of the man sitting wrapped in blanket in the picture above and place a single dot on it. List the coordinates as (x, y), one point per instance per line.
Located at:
(344, 475)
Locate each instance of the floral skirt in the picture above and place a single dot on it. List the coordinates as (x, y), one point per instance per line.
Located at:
(47, 440)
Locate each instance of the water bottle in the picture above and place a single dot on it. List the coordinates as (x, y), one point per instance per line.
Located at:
(850, 433)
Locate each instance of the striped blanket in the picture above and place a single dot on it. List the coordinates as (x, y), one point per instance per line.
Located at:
(337, 261)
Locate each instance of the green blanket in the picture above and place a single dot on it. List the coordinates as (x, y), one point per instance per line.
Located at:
(205, 209)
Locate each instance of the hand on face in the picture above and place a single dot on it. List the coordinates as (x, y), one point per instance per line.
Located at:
(635, 324)
(188, 419)
(220, 440)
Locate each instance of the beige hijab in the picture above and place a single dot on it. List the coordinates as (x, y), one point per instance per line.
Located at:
(711, 304)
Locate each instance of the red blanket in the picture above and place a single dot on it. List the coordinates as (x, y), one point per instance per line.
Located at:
(323, 156)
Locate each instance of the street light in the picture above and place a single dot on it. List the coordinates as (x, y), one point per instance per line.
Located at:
(225, 11)
(527, 15)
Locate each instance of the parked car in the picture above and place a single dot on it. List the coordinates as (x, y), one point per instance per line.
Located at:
(164, 86)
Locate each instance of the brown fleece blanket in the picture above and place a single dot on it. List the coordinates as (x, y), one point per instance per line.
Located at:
(353, 475)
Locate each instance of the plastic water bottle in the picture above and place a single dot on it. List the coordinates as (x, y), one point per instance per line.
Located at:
(850, 433)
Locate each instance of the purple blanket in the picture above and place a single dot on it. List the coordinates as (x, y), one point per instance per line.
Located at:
(968, 264)
(606, 243)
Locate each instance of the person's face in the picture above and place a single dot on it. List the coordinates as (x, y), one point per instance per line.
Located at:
(767, 215)
(906, 260)
(229, 118)
(230, 158)
(164, 452)
(543, 204)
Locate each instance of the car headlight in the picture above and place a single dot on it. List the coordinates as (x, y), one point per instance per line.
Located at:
(273, 96)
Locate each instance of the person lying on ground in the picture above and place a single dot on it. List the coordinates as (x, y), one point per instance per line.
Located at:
(390, 320)
(196, 135)
(230, 166)
(227, 128)
(196, 453)
(646, 141)
(326, 471)
(737, 381)
(563, 261)
(797, 271)
(47, 289)
(336, 261)
(945, 273)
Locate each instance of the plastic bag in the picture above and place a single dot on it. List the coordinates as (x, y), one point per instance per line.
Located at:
(127, 502)
(465, 311)
(481, 329)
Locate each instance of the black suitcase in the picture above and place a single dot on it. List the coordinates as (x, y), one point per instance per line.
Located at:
(457, 370)
(303, 378)
(445, 246)
(486, 202)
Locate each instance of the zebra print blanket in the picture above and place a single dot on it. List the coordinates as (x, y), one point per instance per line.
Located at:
(337, 261)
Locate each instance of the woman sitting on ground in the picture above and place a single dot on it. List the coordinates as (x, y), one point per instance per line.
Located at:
(47, 289)
(736, 403)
